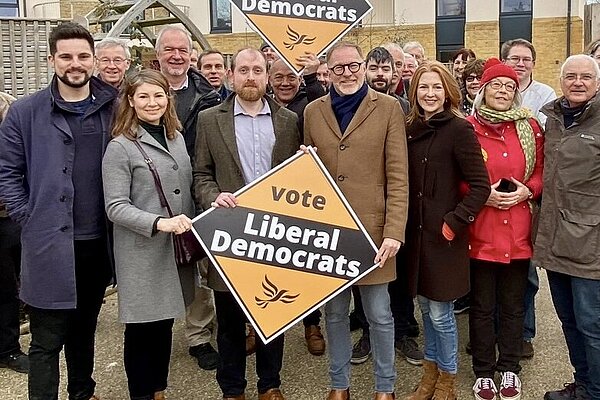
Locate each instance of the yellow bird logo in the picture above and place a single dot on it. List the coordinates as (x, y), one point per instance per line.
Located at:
(297, 39)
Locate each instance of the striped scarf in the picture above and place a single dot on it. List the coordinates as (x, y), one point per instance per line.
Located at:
(520, 116)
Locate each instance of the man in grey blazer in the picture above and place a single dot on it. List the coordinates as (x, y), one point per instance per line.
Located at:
(238, 141)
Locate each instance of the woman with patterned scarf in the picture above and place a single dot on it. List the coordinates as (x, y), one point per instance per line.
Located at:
(512, 146)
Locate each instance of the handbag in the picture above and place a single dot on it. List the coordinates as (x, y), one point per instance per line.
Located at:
(187, 248)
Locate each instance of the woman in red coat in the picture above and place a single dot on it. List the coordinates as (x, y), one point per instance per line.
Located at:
(512, 146)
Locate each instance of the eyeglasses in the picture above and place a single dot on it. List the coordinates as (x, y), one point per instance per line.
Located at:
(352, 67)
(116, 61)
(509, 86)
(472, 78)
(516, 59)
(585, 78)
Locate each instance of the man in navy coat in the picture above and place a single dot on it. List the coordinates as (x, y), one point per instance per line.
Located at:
(51, 148)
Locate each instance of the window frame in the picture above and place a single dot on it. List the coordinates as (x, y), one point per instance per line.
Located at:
(439, 3)
(214, 27)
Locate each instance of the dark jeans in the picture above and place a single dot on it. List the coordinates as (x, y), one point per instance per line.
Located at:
(73, 329)
(314, 318)
(577, 304)
(231, 339)
(497, 288)
(147, 352)
(10, 263)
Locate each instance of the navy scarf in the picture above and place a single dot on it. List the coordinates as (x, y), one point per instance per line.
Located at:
(344, 107)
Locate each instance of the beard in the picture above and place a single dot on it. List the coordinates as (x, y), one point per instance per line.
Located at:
(75, 84)
(381, 89)
(251, 92)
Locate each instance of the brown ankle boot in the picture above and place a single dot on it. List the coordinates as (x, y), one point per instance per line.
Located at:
(384, 396)
(314, 340)
(337, 394)
(444, 388)
(426, 387)
(159, 395)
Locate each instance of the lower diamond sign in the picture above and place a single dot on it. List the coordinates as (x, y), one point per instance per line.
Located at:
(291, 244)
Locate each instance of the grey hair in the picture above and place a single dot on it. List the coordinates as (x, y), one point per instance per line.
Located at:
(413, 45)
(392, 46)
(576, 57)
(171, 28)
(113, 42)
(480, 99)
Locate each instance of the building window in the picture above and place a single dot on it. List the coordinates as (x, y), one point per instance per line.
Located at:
(220, 13)
(9, 8)
(515, 6)
(450, 8)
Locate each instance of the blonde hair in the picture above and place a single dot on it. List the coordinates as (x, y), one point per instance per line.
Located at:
(451, 90)
(126, 122)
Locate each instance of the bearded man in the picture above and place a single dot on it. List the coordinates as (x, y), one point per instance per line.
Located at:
(239, 141)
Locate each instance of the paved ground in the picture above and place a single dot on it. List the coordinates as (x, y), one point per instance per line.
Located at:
(304, 376)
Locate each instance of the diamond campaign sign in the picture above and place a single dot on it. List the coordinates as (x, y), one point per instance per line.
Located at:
(292, 27)
(291, 244)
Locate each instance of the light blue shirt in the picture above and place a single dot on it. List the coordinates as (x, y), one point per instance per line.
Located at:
(255, 139)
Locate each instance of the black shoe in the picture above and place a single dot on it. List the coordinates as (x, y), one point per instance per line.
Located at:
(527, 349)
(409, 348)
(207, 356)
(566, 393)
(17, 361)
(462, 304)
(361, 350)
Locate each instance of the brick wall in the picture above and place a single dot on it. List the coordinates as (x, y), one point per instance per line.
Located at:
(71, 8)
(483, 38)
(550, 41)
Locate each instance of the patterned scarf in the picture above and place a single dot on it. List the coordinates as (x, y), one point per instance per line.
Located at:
(520, 116)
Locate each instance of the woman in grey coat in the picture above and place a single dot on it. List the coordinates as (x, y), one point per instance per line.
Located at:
(151, 293)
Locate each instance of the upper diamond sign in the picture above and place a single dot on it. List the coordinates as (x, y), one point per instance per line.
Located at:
(293, 27)
(291, 244)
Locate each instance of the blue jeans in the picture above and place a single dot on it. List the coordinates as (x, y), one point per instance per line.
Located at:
(533, 285)
(441, 334)
(376, 304)
(577, 304)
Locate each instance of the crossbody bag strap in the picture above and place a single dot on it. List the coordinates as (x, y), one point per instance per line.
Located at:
(157, 183)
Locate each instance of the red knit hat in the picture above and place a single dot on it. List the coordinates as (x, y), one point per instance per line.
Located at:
(494, 68)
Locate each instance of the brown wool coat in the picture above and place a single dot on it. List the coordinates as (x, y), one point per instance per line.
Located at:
(369, 164)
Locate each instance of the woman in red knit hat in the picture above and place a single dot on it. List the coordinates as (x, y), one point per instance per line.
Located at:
(512, 146)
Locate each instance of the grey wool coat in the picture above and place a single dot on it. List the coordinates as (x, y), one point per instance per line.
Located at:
(151, 287)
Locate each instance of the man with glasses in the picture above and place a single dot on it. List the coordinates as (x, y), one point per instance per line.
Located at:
(112, 61)
(193, 93)
(569, 223)
(361, 138)
(520, 55)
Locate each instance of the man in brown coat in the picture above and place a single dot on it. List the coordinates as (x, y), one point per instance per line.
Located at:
(360, 137)
(237, 142)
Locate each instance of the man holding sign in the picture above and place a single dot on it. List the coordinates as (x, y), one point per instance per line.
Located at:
(360, 136)
(238, 141)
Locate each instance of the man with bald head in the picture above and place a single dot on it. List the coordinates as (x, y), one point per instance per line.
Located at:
(263, 134)
(569, 221)
(295, 92)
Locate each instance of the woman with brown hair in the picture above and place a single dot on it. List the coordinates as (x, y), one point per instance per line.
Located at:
(442, 154)
(151, 286)
(458, 62)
